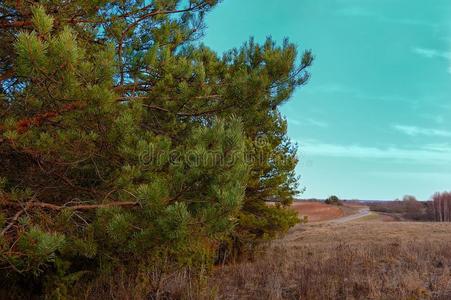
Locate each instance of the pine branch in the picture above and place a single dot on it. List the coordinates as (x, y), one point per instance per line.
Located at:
(51, 206)
(29, 23)
(13, 221)
(186, 114)
(24, 124)
(145, 17)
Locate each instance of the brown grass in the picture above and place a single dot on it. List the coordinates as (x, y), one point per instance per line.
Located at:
(317, 211)
(355, 260)
(373, 260)
(378, 217)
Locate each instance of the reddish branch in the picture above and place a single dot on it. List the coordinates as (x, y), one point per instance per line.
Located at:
(29, 23)
(14, 24)
(31, 204)
(71, 207)
(24, 124)
(6, 75)
(14, 219)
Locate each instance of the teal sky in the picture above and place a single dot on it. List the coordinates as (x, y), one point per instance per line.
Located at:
(374, 121)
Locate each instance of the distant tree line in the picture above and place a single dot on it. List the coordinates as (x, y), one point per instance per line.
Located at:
(441, 207)
(437, 209)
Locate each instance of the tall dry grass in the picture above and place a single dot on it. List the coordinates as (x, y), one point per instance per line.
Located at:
(397, 260)
(397, 268)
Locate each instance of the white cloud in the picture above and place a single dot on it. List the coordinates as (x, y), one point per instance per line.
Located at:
(432, 53)
(294, 122)
(314, 122)
(437, 119)
(416, 131)
(418, 176)
(336, 88)
(317, 123)
(414, 22)
(332, 88)
(358, 11)
(355, 11)
(425, 154)
(429, 53)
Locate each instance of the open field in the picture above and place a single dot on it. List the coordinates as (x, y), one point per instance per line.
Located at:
(355, 260)
(378, 217)
(317, 211)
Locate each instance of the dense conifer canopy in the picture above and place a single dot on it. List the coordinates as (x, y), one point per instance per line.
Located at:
(125, 143)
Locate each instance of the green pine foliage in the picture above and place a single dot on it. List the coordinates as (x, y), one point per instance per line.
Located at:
(125, 145)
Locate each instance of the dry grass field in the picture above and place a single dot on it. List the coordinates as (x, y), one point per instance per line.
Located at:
(355, 260)
(317, 211)
(373, 257)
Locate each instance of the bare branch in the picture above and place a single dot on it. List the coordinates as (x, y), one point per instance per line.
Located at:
(72, 207)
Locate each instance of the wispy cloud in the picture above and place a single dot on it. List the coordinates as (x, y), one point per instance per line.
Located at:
(317, 123)
(417, 176)
(417, 131)
(415, 22)
(294, 122)
(438, 119)
(426, 154)
(357, 11)
(431, 53)
(434, 53)
(340, 89)
(308, 121)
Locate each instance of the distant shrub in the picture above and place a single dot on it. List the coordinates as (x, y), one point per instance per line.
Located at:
(415, 210)
(333, 200)
(409, 208)
(394, 207)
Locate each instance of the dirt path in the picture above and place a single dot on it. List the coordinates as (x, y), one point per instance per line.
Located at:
(363, 212)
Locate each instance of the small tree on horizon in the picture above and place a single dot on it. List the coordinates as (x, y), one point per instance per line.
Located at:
(333, 200)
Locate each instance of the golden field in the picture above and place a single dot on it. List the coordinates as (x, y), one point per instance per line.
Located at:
(373, 257)
(355, 260)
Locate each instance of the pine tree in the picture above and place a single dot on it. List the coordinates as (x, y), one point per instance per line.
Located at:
(123, 144)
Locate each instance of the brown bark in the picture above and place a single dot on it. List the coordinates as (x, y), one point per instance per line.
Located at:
(6, 75)
(71, 207)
